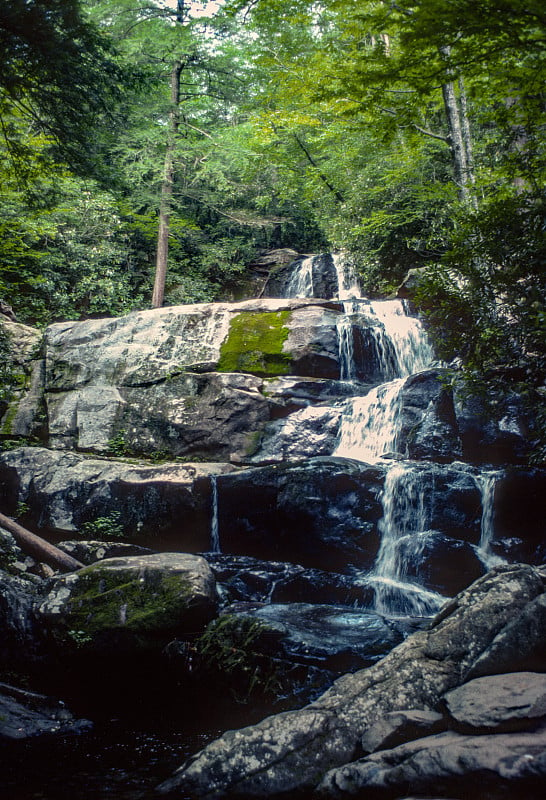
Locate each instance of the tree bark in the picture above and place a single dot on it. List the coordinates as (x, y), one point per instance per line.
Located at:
(456, 143)
(38, 548)
(165, 203)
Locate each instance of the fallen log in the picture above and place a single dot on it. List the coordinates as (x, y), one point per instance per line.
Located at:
(38, 548)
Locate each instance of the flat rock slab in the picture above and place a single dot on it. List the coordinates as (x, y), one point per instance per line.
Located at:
(499, 702)
(473, 767)
(400, 727)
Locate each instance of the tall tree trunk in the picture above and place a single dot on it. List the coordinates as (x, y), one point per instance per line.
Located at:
(165, 203)
(467, 140)
(456, 142)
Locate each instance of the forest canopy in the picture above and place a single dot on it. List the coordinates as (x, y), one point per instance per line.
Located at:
(140, 135)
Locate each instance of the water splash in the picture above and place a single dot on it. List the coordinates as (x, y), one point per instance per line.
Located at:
(214, 526)
(370, 425)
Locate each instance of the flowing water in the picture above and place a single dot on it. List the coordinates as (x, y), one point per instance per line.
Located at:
(370, 425)
(214, 527)
(408, 500)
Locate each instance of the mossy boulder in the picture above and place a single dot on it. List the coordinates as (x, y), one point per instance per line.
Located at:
(134, 604)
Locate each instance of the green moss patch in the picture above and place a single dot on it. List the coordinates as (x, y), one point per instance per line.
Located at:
(145, 605)
(255, 344)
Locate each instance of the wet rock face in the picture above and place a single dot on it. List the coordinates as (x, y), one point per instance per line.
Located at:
(245, 579)
(130, 604)
(429, 427)
(65, 491)
(336, 639)
(440, 563)
(20, 632)
(25, 715)
(322, 279)
(321, 514)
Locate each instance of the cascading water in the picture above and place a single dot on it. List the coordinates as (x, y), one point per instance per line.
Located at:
(399, 342)
(405, 334)
(370, 424)
(486, 482)
(301, 282)
(407, 499)
(214, 526)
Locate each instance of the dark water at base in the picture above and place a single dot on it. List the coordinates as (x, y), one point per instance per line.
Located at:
(109, 762)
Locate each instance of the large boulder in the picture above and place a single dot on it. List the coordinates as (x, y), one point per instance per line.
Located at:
(498, 703)
(162, 379)
(290, 753)
(65, 491)
(133, 604)
(447, 765)
(322, 513)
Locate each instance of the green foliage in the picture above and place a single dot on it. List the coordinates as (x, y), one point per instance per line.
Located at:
(231, 651)
(118, 445)
(104, 528)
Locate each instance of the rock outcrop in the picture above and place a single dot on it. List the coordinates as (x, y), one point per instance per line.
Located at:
(131, 604)
(292, 752)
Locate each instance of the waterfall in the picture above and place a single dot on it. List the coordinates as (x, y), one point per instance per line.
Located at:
(301, 281)
(407, 499)
(406, 335)
(214, 527)
(486, 482)
(370, 425)
(348, 287)
(401, 346)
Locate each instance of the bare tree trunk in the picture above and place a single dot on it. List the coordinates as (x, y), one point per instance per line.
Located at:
(162, 254)
(467, 140)
(38, 548)
(456, 143)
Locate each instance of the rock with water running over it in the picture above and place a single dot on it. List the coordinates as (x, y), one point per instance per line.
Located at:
(130, 605)
(440, 563)
(331, 637)
(290, 753)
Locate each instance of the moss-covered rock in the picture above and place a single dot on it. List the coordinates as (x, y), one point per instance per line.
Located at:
(255, 344)
(131, 604)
